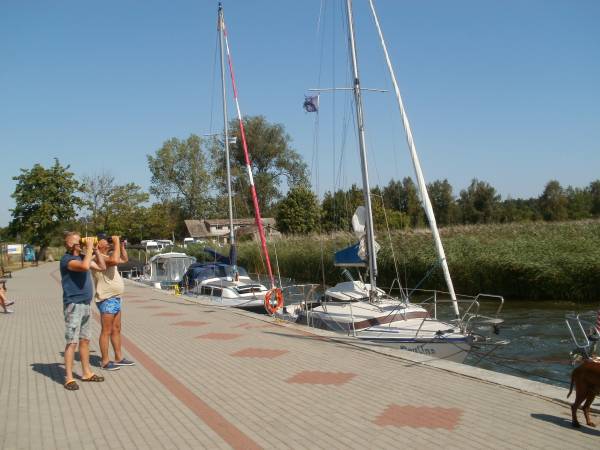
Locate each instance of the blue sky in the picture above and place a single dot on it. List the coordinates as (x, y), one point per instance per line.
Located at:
(504, 91)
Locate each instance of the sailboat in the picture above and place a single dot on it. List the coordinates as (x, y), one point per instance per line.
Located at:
(222, 281)
(362, 309)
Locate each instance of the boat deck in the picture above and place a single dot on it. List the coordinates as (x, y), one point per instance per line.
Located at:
(209, 377)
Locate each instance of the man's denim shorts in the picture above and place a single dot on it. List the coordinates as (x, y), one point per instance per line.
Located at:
(110, 305)
(77, 322)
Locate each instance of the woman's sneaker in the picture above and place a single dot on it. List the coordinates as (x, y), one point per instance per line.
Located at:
(124, 362)
(110, 366)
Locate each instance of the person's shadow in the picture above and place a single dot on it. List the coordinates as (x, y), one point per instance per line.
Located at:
(566, 423)
(56, 370)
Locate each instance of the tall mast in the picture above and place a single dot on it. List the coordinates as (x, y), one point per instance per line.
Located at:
(257, 217)
(419, 173)
(221, 28)
(370, 236)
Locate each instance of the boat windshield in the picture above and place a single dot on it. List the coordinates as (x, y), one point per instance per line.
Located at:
(216, 271)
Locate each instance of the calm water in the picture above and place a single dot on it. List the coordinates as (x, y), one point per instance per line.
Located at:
(539, 341)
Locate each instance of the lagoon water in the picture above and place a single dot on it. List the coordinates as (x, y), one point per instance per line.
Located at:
(539, 341)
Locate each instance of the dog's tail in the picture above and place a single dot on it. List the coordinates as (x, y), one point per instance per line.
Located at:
(571, 388)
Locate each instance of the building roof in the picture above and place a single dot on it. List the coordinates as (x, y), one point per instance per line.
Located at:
(201, 228)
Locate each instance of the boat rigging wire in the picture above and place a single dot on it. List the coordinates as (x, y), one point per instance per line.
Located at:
(257, 215)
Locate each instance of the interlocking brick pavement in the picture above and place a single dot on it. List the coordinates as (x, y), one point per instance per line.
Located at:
(235, 393)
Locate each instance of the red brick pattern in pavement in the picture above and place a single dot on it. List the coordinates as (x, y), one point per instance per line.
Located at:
(419, 417)
(316, 377)
(228, 431)
(259, 353)
(219, 336)
(188, 394)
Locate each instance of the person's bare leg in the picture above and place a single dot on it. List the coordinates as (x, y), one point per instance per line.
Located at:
(69, 356)
(115, 337)
(84, 355)
(106, 333)
(2, 299)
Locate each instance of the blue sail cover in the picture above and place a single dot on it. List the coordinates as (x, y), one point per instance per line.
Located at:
(348, 257)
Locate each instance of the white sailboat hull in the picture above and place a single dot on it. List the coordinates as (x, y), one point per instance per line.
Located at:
(243, 303)
(455, 350)
(387, 322)
(244, 293)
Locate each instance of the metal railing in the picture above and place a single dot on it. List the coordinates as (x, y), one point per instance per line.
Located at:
(585, 341)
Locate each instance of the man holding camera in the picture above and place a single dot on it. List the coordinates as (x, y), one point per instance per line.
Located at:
(77, 296)
(109, 290)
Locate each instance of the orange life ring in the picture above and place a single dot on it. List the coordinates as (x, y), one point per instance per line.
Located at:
(272, 305)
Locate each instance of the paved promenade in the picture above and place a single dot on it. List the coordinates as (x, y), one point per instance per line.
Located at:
(213, 378)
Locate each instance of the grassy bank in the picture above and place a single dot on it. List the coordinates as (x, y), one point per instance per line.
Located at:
(549, 261)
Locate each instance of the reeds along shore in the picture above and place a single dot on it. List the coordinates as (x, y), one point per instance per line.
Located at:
(539, 260)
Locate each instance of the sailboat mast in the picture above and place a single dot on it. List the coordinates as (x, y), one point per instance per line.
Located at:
(257, 217)
(418, 171)
(370, 235)
(221, 27)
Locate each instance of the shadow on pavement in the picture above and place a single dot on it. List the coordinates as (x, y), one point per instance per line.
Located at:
(95, 360)
(54, 371)
(566, 423)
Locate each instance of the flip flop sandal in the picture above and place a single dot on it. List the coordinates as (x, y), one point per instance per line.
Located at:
(10, 302)
(71, 385)
(94, 377)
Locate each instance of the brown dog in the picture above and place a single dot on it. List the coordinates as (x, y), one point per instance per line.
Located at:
(586, 378)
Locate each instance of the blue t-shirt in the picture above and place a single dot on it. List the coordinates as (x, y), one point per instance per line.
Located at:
(77, 286)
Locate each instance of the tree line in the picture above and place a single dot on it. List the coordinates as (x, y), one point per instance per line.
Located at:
(188, 182)
(398, 206)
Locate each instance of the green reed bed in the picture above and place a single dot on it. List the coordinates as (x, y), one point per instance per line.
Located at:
(539, 260)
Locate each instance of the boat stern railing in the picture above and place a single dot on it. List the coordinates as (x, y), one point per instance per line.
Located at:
(469, 306)
(585, 341)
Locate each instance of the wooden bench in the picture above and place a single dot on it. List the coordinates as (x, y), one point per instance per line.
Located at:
(6, 273)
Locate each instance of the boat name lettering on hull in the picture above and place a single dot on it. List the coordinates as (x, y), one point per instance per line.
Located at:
(419, 349)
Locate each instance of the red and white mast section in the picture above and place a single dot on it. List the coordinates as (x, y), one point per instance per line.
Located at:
(257, 215)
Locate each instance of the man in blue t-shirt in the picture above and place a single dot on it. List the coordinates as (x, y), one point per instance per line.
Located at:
(77, 294)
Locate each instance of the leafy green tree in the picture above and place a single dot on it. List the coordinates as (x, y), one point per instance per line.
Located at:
(160, 220)
(594, 189)
(96, 190)
(122, 212)
(298, 212)
(478, 202)
(443, 202)
(386, 218)
(518, 210)
(553, 202)
(45, 201)
(579, 203)
(337, 208)
(180, 174)
(392, 195)
(403, 196)
(273, 162)
(113, 208)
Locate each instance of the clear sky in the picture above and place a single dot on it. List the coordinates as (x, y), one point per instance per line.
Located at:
(503, 91)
